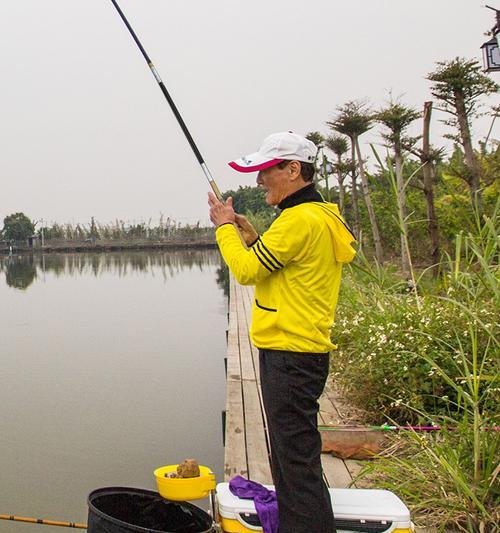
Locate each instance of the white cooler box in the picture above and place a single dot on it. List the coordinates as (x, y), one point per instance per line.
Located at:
(355, 510)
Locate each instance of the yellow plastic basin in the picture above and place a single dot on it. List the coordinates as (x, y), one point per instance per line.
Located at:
(183, 489)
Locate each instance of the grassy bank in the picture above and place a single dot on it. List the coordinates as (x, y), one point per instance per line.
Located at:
(430, 355)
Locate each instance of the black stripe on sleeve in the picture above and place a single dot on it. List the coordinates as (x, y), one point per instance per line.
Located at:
(260, 259)
(269, 254)
(263, 254)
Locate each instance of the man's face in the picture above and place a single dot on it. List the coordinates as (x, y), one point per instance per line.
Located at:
(276, 183)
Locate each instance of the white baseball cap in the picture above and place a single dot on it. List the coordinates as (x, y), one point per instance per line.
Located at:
(278, 147)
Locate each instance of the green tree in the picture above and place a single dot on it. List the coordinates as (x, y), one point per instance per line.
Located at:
(339, 146)
(490, 164)
(248, 200)
(352, 120)
(429, 157)
(17, 227)
(459, 84)
(318, 139)
(396, 118)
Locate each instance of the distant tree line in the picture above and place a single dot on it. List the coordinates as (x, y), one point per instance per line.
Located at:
(18, 227)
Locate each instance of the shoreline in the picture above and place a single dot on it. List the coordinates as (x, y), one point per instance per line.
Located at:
(108, 246)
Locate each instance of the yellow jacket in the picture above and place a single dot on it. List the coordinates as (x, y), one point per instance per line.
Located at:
(296, 266)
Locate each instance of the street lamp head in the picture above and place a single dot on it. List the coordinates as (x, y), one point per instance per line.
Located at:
(491, 54)
(491, 49)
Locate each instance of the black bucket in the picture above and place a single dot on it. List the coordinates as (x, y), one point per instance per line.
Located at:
(126, 510)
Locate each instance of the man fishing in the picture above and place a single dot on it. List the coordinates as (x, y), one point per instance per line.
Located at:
(296, 268)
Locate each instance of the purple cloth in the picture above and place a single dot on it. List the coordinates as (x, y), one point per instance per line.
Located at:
(264, 499)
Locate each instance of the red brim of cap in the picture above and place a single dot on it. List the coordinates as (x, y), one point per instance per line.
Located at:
(254, 168)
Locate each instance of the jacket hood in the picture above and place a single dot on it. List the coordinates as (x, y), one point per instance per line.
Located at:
(342, 237)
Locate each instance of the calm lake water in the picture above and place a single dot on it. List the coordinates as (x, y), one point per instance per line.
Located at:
(110, 366)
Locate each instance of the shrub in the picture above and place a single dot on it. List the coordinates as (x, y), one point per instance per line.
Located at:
(436, 361)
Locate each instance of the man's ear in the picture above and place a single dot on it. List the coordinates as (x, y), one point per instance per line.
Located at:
(294, 168)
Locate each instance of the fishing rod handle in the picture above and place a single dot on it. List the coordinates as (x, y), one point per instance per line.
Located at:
(211, 182)
(43, 522)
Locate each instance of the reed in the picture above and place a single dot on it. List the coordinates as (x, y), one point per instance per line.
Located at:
(426, 352)
(434, 363)
(165, 230)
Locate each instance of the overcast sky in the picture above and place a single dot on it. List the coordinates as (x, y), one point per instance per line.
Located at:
(85, 130)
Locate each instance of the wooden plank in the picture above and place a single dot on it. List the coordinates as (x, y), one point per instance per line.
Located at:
(247, 302)
(247, 367)
(255, 355)
(338, 404)
(257, 451)
(337, 411)
(233, 348)
(235, 458)
(336, 473)
(354, 467)
(327, 411)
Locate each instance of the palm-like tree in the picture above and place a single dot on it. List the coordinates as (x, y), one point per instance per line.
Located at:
(458, 85)
(318, 139)
(396, 118)
(352, 120)
(339, 146)
(429, 157)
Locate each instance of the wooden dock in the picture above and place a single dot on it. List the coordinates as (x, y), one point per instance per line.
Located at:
(246, 439)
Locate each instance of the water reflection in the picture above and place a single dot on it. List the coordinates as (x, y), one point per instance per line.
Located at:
(20, 271)
(222, 278)
(112, 365)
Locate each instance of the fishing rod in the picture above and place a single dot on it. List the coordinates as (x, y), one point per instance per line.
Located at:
(386, 427)
(172, 105)
(42, 521)
(383, 427)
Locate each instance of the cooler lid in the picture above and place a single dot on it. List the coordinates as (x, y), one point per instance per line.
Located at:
(231, 504)
(366, 504)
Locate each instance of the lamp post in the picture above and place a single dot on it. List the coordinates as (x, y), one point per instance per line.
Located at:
(491, 48)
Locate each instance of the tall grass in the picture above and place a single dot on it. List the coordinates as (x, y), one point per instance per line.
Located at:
(435, 362)
(451, 477)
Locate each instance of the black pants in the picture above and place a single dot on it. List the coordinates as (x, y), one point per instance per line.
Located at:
(291, 385)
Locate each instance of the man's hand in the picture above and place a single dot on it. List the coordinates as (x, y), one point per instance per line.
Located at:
(247, 231)
(221, 213)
